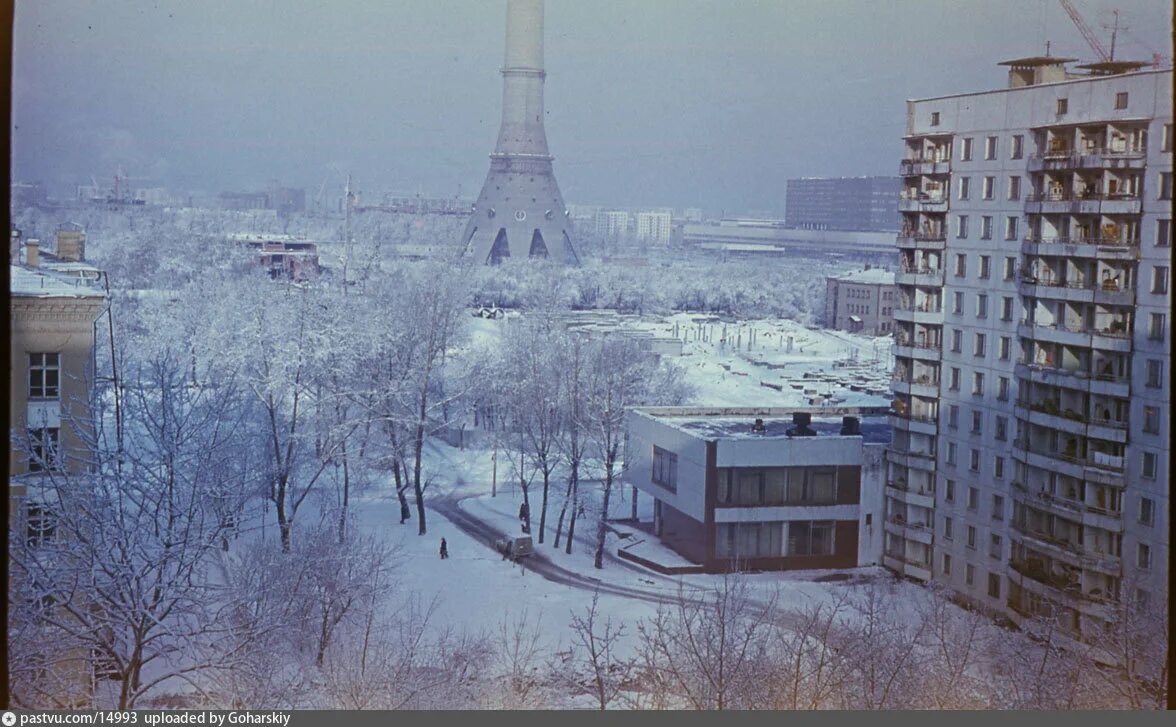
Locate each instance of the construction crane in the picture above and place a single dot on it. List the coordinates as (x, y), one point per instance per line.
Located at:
(1088, 34)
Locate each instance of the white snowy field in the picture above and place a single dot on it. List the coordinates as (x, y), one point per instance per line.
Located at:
(766, 362)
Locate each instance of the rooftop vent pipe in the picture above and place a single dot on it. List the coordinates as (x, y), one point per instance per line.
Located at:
(850, 427)
(801, 421)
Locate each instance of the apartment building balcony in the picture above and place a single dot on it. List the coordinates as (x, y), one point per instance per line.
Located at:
(909, 567)
(922, 461)
(1077, 379)
(910, 240)
(1058, 588)
(917, 532)
(918, 314)
(1105, 469)
(921, 424)
(1073, 510)
(1068, 159)
(1105, 339)
(927, 277)
(1064, 550)
(1067, 203)
(923, 166)
(1081, 291)
(1101, 248)
(1043, 415)
(904, 493)
(924, 386)
(923, 203)
(917, 349)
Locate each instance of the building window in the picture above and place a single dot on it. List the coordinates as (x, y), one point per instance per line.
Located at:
(935, 118)
(979, 344)
(994, 547)
(1014, 188)
(1017, 150)
(1143, 557)
(973, 498)
(1120, 101)
(1148, 469)
(1006, 347)
(1165, 185)
(957, 303)
(994, 583)
(986, 227)
(966, 152)
(972, 537)
(997, 507)
(961, 266)
(1010, 268)
(1151, 420)
(949, 491)
(985, 267)
(977, 421)
(1159, 284)
(969, 574)
(43, 449)
(977, 384)
(665, 469)
(953, 416)
(988, 188)
(1163, 233)
(947, 526)
(961, 226)
(946, 564)
(748, 540)
(44, 376)
(974, 460)
(1010, 228)
(965, 187)
(1166, 138)
(1155, 373)
(40, 526)
(1063, 106)
(1006, 308)
(1147, 511)
(982, 305)
(954, 379)
(1157, 326)
(810, 538)
(990, 147)
(957, 340)
(1001, 427)
(951, 453)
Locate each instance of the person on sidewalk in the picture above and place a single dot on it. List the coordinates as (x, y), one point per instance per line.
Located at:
(444, 549)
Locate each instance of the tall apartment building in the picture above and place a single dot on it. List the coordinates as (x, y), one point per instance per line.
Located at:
(863, 204)
(1028, 470)
(654, 227)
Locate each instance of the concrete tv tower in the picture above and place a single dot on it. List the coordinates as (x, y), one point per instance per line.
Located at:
(520, 212)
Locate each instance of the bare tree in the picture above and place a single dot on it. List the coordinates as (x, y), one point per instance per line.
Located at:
(596, 662)
(704, 652)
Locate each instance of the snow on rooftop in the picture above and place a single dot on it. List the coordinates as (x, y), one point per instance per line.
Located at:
(875, 429)
(30, 283)
(874, 276)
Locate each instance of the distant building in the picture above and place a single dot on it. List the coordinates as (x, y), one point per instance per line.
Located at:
(865, 204)
(286, 200)
(690, 214)
(861, 302)
(775, 232)
(654, 228)
(241, 201)
(282, 257)
(612, 224)
(28, 195)
(763, 489)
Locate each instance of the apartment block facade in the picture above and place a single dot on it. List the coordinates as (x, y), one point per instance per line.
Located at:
(861, 301)
(1028, 470)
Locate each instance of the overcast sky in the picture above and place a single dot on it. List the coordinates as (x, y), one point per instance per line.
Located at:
(650, 102)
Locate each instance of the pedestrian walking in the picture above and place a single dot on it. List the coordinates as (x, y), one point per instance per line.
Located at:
(404, 513)
(506, 550)
(444, 549)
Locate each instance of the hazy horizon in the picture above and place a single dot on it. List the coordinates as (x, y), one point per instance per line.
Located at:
(657, 102)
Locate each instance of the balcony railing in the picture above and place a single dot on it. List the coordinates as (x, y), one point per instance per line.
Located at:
(1100, 460)
(1072, 196)
(919, 343)
(1100, 241)
(925, 419)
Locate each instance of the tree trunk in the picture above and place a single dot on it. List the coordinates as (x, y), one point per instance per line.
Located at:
(418, 447)
(543, 507)
(283, 521)
(598, 560)
(575, 506)
(346, 494)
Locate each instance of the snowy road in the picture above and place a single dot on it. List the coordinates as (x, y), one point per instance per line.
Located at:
(450, 508)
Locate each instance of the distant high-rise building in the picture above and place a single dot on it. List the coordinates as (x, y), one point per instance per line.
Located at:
(1029, 467)
(612, 224)
(860, 204)
(654, 227)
